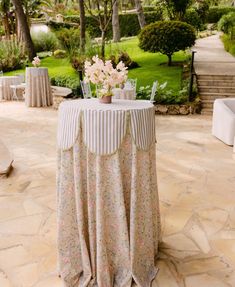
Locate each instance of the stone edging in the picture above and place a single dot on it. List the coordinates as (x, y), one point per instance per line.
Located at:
(193, 108)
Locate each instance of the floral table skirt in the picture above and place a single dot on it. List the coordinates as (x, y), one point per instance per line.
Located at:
(108, 216)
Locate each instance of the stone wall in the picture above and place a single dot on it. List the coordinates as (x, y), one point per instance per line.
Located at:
(192, 108)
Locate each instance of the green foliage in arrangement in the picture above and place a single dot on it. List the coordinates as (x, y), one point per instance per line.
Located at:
(215, 13)
(12, 55)
(45, 41)
(167, 37)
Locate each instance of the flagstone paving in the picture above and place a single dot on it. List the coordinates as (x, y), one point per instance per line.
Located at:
(196, 187)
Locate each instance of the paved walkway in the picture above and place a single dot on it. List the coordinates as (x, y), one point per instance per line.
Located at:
(211, 58)
(196, 200)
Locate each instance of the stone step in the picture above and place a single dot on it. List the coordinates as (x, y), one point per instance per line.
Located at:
(219, 90)
(216, 83)
(211, 97)
(207, 111)
(216, 77)
(224, 95)
(207, 104)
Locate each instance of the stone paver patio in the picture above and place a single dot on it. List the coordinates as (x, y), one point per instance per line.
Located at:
(196, 188)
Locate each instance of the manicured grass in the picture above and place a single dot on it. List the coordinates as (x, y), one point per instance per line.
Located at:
(152, 65)
(56, 67)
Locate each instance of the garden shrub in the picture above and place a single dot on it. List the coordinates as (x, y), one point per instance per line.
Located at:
(12, 55)
(69, 38)
(215, 13)
(167, 37)
(227, 23)
(60, 54)
(44, 41)
(125, 58)
(192, 17)
(67, 81)
(55, 26)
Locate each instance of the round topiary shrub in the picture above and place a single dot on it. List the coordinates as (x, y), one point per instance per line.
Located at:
(167, 37)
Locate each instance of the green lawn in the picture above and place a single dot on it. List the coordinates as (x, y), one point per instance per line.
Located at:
(151, 68)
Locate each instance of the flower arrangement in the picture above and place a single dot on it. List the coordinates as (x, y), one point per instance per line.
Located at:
(36, 61)
(103, 73)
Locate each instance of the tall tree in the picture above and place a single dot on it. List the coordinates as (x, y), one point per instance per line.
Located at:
(103, 15)
(4, 12)
(115, 23)
(82, 26)
(22, 20)
(140, 13)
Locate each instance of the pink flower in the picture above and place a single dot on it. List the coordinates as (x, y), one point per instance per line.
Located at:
(102, 73)
(36, 61)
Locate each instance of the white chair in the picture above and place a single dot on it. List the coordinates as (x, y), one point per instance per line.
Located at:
(18, 85)
(86, 90)
(130, 84)
(223, 122)
(153, 91)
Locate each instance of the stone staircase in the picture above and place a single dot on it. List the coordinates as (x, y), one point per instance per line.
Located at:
(213, 87)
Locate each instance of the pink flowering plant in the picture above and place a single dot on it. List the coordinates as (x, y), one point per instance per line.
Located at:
(102, 73)
(36, 61)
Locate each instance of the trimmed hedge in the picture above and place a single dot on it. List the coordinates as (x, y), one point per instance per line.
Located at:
(129, 24)
(215, 13)
(191, 17)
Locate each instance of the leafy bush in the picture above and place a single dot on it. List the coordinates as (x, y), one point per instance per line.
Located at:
(215, 13)
(44, 41)
(227, 23)
(129, 24)
(229, 44)
(67, 81)
(192, 17)
(60, 54)
(167, 37)
(164, 95)
(12, 55)
(69, 38)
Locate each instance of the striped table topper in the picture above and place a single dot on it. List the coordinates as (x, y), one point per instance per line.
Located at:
(104, 126)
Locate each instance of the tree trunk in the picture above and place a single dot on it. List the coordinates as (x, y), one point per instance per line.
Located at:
(115, 23)
(103, 44)
(169, 60)
(6, 25)
(82, 26)
(24, 27)
(140, 13)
